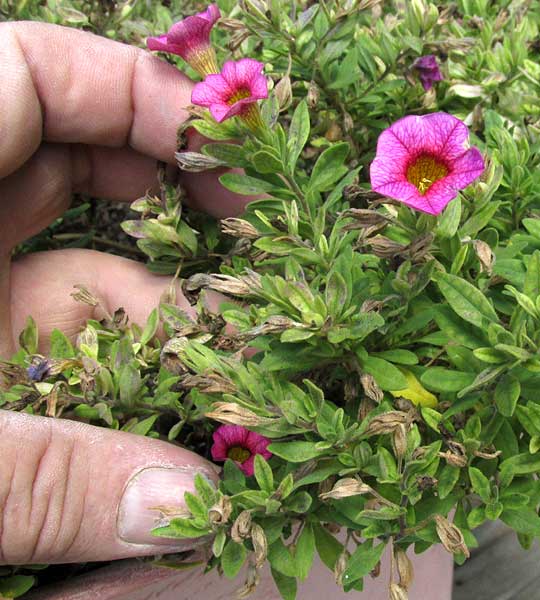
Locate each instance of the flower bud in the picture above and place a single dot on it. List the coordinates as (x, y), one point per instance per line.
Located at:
(241, 527)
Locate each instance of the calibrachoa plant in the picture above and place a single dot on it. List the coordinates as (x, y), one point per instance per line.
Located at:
(375, 365)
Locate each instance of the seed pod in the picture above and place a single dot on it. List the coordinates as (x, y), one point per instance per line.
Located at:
(346, 487)
(313, 95)
(239, 228)
(234, 414)
(404, 567)
(451, 537)
(260, 545)
(397, 592)
(241, 527)
(341, 566)
(221, 511)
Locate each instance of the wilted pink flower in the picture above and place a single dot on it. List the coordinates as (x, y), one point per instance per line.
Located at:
(424, 161)
(190, 39)
(428, 70)
(239, 444)
(234, 91)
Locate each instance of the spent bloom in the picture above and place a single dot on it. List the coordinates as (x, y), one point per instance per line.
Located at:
(423, 161)
(190, 39)
(239, 444)
(428, 70)
(233, 91)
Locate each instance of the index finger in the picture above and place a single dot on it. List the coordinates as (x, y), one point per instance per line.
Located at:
(66, 85)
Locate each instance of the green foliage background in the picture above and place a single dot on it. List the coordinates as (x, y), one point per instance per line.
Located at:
(335, 287)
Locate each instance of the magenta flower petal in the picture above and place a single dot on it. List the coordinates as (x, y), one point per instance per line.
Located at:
(239, 444)
(190, 39)
(428, 70)
(233, 91)
(425, 161)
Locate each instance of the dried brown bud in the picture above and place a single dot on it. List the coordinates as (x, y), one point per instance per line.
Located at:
(84, 296)
(260, 545)
(236, 40)
(213, 383)
(397, 592)
(387, 422)
(283, 91)
(487, 455)
(384, 247)
(232, 24)
(425, 482)
(252, 581)
(341, 566)
(370, 387)
(334, 132)
(451, 537)
(221, 511)
(485, 256)
(456, 460)
(346, 487)
(219, 283)
(405, 568)
(241, 527)
(366, 217)
(313, 95)
(195, 162)
(234, 414)
(399, 441)
(239, 228)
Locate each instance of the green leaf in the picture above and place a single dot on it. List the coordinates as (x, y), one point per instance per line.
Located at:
(219, 543)
(329, 167)
(447, 480)
(232, 559)
(363, 560)
(286, 586)
(305, 552)
(532, 278)
(523, 520)
(440, 379)
(263, 474)
(328, 548)
(265, 162)
(507, 395)
(298, 134)
(521, 464)
(281, 559)
(151, 327)
(295, 452)
(61, 347)
(28, 338)
(144, 426)
(480, 484)
(448, 222)
(466, 300)
(196, 507)
(245, 185)
(398, 356)
(205, 490)
(387, 376)
(16, 585)
(181, 528)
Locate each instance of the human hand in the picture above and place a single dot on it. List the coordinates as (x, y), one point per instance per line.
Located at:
(83, 114)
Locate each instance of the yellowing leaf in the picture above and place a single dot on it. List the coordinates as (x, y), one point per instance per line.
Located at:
(415, 391)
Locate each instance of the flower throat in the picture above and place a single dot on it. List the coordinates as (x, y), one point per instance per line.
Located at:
(424, 171)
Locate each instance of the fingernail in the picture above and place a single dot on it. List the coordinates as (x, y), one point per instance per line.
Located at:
(151, 498)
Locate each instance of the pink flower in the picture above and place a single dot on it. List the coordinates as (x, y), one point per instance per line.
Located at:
(190, 39)
(424, 161)
(234, 91)
(428, 70)
(239, 444)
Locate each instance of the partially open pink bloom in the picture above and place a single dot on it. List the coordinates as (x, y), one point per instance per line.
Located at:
(233, 91)
(428, 70)
(190, 39)
(424, 161)
(239, 444)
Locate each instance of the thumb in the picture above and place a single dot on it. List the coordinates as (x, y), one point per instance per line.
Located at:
(71, 492)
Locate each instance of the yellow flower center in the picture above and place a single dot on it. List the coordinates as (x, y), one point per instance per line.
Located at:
(238, 95)
(238, 454)
(425, 171)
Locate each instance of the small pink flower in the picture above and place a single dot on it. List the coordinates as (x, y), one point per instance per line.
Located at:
(428, 70)
(190, 39)
(234, 91)
(239, 444)
(424, 161)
